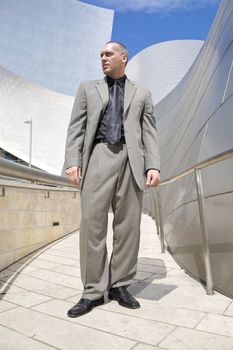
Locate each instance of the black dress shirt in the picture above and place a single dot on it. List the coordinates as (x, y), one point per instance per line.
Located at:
(100, 133)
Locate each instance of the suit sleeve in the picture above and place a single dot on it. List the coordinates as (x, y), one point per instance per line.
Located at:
(76, 131)
(149, 136)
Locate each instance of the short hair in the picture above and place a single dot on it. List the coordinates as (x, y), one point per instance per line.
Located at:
(122, 46)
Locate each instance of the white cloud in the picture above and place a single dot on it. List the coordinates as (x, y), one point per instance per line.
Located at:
(156, 5)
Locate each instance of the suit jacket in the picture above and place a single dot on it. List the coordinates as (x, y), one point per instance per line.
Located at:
(139, 127)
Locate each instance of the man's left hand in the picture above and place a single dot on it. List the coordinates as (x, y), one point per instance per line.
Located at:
(152, 178)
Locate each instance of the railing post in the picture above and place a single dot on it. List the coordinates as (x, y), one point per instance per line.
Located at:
(156, 211)
(3, 191)
(160, 219)
(206, 251)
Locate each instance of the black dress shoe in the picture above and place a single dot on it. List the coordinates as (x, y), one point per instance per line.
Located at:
(123, 297)
(84, 306)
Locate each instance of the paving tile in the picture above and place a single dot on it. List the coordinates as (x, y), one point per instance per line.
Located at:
(75, 298)
(197, 290)
(189, 339)
(57, 308)
(179, 272)
(69, 242)
(114, 323)
(25, 298)
(44, 264)
(68, 270)
(58, 278)
(30, 283)
(5, 305)
(8, 288)
(63, 254)
(140, 276)
(57, 259)
(10, 340)
(155, 278)
(153, 256)
(148, 291)
(60, 292)
(27, 269)
(165, 314)
(154, 262)
(172, 304)
(72, 247)
(229, 310)
(180, 280)
(62, 334)
(205, 303)
(8, 274)
(162, 270)
(217, 324)
(36, 263)
(146, 347)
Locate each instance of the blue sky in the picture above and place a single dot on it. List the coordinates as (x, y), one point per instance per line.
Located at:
(141, 23)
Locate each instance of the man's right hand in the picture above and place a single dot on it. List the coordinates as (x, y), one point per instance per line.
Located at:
(74, 175)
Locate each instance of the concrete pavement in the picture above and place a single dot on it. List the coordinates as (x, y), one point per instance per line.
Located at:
(175, 313)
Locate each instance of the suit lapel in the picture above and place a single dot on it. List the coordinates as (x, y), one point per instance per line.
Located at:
(102, 88)
(130, 90)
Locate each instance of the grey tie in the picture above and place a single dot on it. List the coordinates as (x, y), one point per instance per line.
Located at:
(114, 113)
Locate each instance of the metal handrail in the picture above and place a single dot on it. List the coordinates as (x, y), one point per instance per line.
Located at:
(201, 205)
(19, 171)
(209, 161)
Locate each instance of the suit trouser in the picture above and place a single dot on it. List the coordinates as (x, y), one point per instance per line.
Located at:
(109, 181)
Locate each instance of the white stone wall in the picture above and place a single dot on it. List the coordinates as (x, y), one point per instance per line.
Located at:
(27, 217)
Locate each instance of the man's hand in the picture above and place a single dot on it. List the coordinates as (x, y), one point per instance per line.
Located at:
(74, 175)
(152, 178)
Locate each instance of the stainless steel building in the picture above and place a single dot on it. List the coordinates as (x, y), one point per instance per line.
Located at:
(46, 49)
(53, 43)
(195, 122)
(162, 66)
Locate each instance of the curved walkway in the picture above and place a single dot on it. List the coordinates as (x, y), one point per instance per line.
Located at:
(175, 313)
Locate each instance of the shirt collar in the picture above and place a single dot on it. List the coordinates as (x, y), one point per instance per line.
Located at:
(121, 81)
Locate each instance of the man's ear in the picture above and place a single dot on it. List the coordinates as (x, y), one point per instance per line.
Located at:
(124, 58)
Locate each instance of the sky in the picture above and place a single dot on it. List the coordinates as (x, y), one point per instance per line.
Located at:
(142, 23)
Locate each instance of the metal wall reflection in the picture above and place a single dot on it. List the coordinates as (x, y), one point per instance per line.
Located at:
(195, 122)
(53, 43)
(46, 49)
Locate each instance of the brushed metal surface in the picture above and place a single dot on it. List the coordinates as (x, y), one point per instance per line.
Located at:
(170, 61)
(195, 122)
(53, 43)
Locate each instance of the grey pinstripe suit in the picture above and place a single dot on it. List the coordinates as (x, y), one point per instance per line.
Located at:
(111, 175)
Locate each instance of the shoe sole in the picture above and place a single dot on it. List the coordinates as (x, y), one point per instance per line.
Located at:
(111, 297)
(98, 303)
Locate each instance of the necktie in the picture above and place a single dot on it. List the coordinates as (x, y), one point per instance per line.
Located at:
(114, 113)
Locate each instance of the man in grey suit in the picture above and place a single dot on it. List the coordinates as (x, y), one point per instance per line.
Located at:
(112, 154)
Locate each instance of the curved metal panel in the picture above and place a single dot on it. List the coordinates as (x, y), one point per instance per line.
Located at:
(53, 43)
(164, 63)
(50, 114)
(194, 123)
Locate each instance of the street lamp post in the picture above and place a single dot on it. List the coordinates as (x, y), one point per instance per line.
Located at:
(29, 121)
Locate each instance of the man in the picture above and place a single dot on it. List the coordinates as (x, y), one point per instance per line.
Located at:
(112, 154)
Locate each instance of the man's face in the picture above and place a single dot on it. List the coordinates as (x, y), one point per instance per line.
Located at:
(113, 60)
